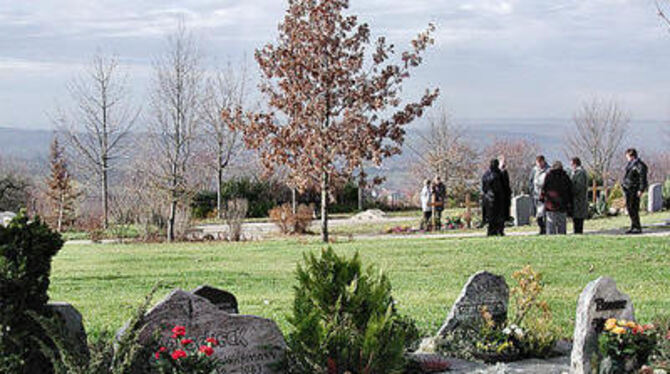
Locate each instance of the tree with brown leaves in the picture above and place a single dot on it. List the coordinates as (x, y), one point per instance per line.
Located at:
(60, 188)
(333, 104)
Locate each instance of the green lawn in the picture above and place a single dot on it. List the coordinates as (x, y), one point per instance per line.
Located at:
(106, 282)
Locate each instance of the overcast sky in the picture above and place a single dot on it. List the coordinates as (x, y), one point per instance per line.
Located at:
(493, 58)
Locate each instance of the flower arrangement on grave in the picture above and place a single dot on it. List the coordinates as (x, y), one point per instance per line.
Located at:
(528, 333)
(185, 355)
(625, 345)
(453, 223)
(401, 230)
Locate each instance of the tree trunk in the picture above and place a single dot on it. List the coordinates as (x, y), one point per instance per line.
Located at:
(324, 207)
(294, 202)
(171, 221)
(105, 197)
(361, 190)
(219, 185)
(61, 207)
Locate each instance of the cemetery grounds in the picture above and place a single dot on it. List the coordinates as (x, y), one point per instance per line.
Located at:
(107, 282)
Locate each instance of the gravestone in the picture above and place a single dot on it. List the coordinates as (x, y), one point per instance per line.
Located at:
(522, 209)
(224, 300)
(655, 198)
(6, 218)
(599, 301)
(483, 289)
(247, 344)
(73, 326)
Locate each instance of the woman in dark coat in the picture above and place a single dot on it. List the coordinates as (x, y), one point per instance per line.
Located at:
(495, 194)
(557, 196)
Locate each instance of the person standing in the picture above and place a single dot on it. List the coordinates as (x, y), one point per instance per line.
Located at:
(440, 193)
(426, 205)
(508, 188)
(494, 196)
(537, 176)
(634, 184)
(580, 186)
(558, 197)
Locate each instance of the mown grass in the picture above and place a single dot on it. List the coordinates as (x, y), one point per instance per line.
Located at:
(106, 282)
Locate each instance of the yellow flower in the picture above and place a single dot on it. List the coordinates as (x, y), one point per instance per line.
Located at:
(610, 324)
(631, 324)
(619, 330)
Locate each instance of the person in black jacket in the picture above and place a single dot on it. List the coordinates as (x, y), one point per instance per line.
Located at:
(557, 196)
(634, 184)
(495, 194)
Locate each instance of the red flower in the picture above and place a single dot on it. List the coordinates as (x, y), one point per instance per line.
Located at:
(178, 331)
(638, 330)
(186, 341)
(207, 350)
(177, 354)
(160, 350)
(212, 341)
(667, 337)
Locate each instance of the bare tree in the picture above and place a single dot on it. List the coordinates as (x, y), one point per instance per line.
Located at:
(597, 136)
(101, 119)
(222, 103)
(173, 127)
(444, 150)
(519, 157)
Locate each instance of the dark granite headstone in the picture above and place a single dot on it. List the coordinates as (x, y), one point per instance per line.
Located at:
(224, 300)
(248, 344)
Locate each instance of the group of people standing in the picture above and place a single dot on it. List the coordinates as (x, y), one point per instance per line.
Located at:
(433, 196)
(557, 194)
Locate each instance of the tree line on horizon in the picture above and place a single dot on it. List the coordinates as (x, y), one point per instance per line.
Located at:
(332, 108)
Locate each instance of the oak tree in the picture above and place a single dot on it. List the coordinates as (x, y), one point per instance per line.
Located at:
(333, 96)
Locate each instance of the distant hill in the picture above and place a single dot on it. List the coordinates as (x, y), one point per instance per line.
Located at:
(25, 144)
(33, 145)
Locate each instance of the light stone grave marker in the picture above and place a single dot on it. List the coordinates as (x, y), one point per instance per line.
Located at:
(655, 198)
(483, 289)
(599, 301)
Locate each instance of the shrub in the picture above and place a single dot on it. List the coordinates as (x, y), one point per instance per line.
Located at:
(666, 193)
(203, 204)
(344, 319)
(660, 358)
(26, 250)
(261, 195)
(615, 193)
(235, 212)
(290, 223)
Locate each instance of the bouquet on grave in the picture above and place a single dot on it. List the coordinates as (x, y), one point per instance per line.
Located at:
(186, 355)
(625, 345)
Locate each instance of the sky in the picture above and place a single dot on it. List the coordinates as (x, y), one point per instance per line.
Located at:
(493, 59)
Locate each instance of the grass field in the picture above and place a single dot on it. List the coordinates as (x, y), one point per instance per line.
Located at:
(106, 282)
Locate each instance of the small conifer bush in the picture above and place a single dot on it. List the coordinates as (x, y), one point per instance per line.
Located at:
(344, 319)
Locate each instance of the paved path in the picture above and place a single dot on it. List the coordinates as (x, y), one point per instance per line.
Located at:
(263, 230)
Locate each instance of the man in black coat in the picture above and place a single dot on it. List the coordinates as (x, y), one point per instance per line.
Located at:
(495, 194)
(634, 184)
